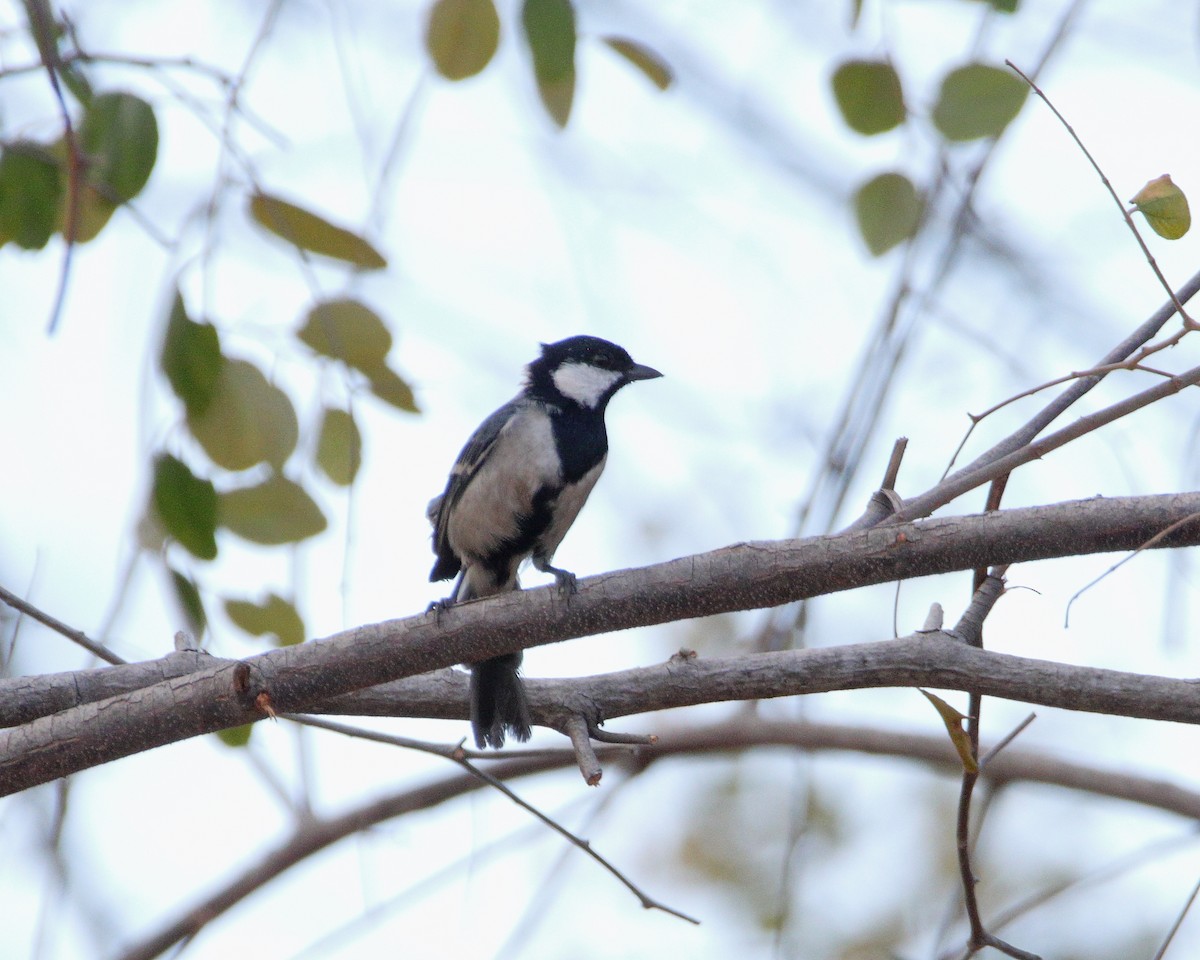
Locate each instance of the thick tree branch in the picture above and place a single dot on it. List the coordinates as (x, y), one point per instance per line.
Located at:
(937, 660)
(844, 561)
(745, 576)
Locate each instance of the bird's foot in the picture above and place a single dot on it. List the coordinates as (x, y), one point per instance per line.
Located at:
(439, 607)
(564, 580)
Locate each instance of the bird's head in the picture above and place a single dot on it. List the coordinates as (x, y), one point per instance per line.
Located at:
(584, 370)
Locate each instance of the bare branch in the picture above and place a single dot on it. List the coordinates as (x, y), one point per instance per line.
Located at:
(75, 636)
(971, 477)
(1052, 411)
(585, 754)
(893, 467)
(298, 679)
(1145, 546)
(458, 755)
(1188, 322)
(1014, 766)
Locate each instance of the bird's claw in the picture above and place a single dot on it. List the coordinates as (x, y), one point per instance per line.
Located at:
(564, 580)
(439, 607)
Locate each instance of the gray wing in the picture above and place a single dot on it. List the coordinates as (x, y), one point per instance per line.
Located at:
(472, 457)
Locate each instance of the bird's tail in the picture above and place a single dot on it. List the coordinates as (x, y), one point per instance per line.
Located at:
(498, 701)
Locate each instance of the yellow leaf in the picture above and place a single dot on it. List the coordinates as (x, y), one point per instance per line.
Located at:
(655, 68)
(312, 232)
(954, 726)
(462, 36)
(1165, 207)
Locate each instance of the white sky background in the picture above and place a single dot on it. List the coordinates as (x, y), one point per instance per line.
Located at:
(707, 230)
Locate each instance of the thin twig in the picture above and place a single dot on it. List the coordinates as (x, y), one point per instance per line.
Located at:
(1131, 363)
(1162, 951)
(1122, 865)
(988, 587)
(1189, 323)
(75, 636)
(1167, 531)
(44, 30)
(743, 734)
(985, 469)
(459, 756)
(539, 903)
(1006, 740)
(1025, 434)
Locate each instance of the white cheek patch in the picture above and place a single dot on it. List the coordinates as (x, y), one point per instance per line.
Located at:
(584, 383)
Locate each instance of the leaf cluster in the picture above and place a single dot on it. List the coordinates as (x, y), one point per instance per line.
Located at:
(462, 37)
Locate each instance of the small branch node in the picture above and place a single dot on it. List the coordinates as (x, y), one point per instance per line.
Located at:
(893, 467)
(265, 706)
(585, 754)
(969, 628)
(933, 619)
(601, 735)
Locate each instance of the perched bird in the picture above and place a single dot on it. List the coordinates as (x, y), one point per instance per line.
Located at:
(514, 492)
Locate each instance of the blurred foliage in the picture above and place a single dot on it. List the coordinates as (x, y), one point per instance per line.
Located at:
(311, 232)
(272, 616)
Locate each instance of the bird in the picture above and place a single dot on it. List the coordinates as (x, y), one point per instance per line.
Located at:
(513, 493)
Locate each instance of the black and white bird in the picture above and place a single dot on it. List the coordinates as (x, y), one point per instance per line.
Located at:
(516, 488)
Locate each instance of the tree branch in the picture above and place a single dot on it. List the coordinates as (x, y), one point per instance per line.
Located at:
(745, 576)
(1013, 766)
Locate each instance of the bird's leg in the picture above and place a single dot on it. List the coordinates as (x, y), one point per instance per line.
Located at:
(438, 607)
(563, 579)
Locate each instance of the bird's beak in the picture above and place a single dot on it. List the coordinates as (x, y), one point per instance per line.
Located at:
(639, 371)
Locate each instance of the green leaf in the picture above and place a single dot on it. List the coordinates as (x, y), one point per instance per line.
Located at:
(339, 447)
(869, 95)
(550, 31)
(954, 726)
(92, 212)
(655, 68)
(30, 187)
(978, 101)
(76, 81)
(191, 358)
(186, 505)
(235, 736)
(390, 387)
(274, 616)
(462, 36)
(888, 208)
(188, 596)
(91, 206)
(314, 233)
(1165, 207)
(273, 512)
(119, 136)
(246, 421)
(348, 331)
